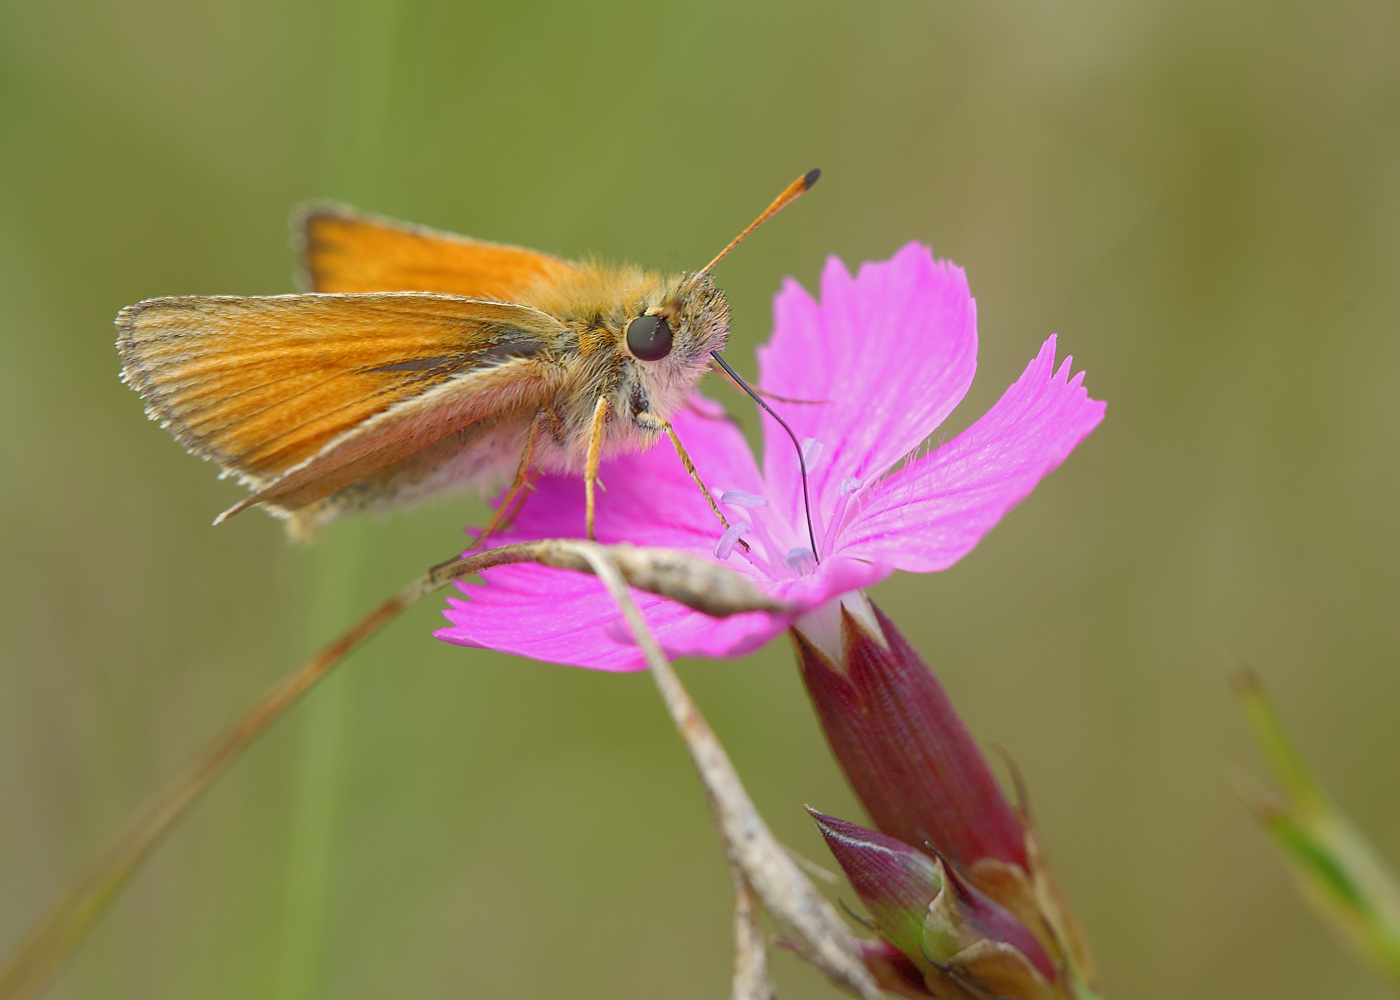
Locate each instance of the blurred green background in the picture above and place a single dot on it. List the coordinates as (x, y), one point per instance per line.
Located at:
(1202, 199)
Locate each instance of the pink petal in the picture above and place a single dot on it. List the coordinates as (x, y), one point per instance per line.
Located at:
(550, 615)
(927, 515)
(564, 617)
(892, 351)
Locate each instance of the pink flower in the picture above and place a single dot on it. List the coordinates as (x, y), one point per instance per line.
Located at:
(888, 354)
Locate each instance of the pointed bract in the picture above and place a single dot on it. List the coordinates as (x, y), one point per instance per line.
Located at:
(961, 940)
(894, 881)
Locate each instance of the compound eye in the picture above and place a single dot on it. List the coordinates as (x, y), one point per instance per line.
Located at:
(649, 338)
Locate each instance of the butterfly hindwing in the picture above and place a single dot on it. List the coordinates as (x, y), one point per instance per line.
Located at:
(345, 250)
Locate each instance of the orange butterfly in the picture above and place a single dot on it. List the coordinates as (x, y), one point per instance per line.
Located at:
(419, 360)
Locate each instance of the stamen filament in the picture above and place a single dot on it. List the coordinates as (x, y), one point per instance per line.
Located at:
(848, 488)
(812, 454)
(752, 501)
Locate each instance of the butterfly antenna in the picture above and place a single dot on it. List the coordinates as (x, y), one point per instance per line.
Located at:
(790, 194)
(801, 461)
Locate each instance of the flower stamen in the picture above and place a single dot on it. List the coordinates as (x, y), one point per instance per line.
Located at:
(745, 500)
(801, 561)
(742, 498)
(848, 488)
(729, 539)
(812, 451)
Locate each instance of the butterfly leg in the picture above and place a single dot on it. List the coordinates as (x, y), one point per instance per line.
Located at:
(595, 457)
(509, 520)
(509, 507)
(652, 422)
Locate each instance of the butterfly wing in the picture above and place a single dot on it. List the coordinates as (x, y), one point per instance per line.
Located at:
(344, 250)
(301, 396)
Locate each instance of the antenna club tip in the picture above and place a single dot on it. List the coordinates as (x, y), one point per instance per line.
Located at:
(811, 177)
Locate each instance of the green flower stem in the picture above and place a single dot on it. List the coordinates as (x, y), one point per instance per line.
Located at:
(356, 139)
(320, 777)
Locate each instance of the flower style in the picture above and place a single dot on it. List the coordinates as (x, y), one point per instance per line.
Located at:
(881, 361)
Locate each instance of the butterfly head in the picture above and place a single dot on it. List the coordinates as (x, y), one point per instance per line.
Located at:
(667, 343)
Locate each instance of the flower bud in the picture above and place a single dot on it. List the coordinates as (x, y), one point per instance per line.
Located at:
(961, 941)
(894, 881)
(904, 749)
(917, 771)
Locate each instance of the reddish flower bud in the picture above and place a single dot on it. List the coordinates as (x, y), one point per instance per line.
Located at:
(894, 881)
(906, 753)
(924, 781)
(956, 936)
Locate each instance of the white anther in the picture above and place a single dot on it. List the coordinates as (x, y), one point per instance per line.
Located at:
(729, 539)
(742, 498)
(801, 560)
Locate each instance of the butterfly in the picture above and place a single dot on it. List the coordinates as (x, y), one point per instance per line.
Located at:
(417, 360)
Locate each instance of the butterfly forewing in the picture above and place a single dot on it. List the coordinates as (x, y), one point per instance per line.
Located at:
(266, 385)
(343, 250)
